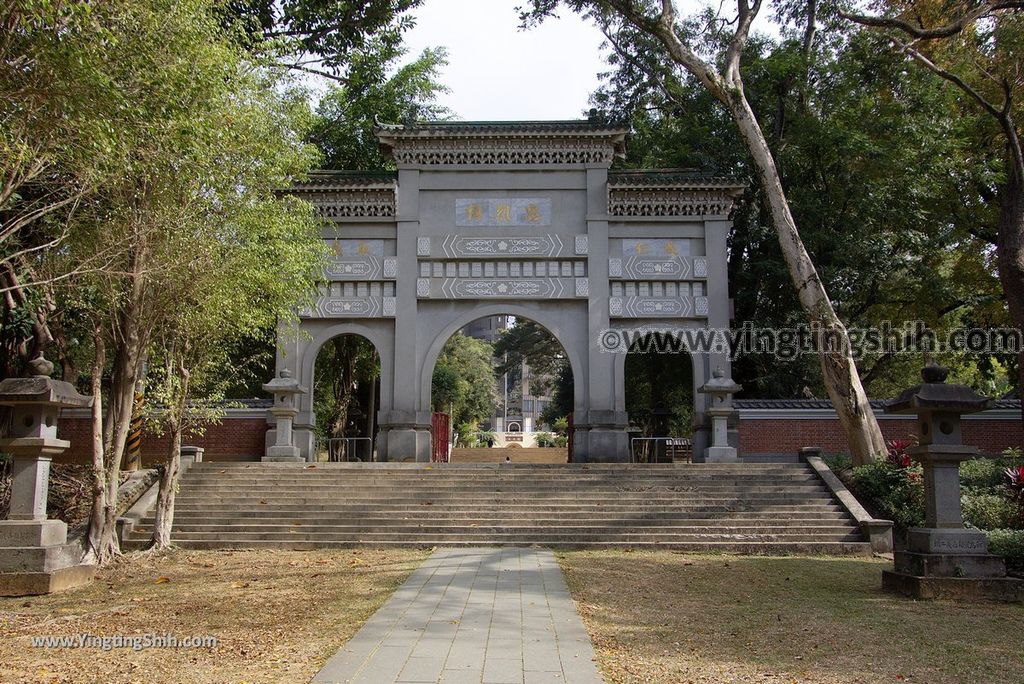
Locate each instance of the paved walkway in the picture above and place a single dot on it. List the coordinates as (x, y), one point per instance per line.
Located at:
(492, 615)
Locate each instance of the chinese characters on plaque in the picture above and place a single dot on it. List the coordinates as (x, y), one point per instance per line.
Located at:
(512, 211)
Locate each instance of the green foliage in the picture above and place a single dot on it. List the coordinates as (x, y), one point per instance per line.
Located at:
(981, 473)
(327, 32)
(345, 370)
(463, 380)
(838, 463)
(895, 494)
(1010, 545)
(988, 511)
(548, 440)
(660, 382)
(348, 113)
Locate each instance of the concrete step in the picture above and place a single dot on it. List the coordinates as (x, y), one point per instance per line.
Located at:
(832, 548)
(500, 525)
(512, 509)
(526, 536)
(489, 517)
(771, 508)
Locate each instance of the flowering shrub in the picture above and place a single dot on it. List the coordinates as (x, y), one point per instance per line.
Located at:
(1015, 485)
(897, 455)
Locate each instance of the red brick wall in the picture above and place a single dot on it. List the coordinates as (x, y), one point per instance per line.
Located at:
(233, 439)
(787, 436)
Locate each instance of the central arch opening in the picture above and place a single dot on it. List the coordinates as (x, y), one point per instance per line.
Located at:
(508, 385)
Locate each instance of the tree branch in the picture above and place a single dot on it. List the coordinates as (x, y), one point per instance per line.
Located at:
(921, 33)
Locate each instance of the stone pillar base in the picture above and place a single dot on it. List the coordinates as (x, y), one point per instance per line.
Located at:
(282, 454)
(38, 583)
(950, 563)
(721, 454)
(601, 445)
(404, 436)
(35, 558)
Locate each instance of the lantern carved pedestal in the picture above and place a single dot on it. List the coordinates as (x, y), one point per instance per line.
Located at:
(35, 556)
(944, 559)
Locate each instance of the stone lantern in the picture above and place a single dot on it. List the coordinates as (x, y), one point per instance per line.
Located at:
(943, 558)
(286, 391)
(720, 389)
(35, 557)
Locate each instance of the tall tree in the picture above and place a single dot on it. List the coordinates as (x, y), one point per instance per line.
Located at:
(320, 36)
(721, 75)
(977, 48)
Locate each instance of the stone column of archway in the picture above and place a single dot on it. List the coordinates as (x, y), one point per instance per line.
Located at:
(297, 351)
(716, 234)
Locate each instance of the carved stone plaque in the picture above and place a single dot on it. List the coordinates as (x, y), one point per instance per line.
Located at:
(510, 211)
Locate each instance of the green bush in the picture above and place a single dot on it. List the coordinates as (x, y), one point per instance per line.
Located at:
(982, 473)
(988, 511)
(837, 463)
(546, 439)
(1009, 544)
(894, 493)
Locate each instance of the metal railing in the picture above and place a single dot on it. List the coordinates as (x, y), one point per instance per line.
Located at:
(343, 449)
(645, 449)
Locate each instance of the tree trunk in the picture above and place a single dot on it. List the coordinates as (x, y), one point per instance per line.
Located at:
(102, 544)
(95, 551)
(1010, 257)
(838, 369)
(164, 516)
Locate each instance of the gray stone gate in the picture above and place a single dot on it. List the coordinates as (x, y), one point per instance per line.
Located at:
(518, 218)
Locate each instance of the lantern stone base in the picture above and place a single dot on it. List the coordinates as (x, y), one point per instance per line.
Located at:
(35, 558)
(950, 563)
(1007, 589)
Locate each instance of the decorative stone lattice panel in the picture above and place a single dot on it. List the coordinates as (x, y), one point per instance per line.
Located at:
(669, 202)
(354, 204)
(474, 152)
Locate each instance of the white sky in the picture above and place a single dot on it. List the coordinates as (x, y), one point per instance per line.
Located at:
(497, 72)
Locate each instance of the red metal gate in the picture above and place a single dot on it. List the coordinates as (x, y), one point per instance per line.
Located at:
(440, 426)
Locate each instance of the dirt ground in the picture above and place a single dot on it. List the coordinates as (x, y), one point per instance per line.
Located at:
(277, 616)
(663, 617)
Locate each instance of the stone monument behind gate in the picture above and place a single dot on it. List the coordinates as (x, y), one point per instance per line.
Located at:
(518, 218)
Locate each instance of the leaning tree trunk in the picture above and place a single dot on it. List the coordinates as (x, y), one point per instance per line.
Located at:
(838, 369)
(1010, 257)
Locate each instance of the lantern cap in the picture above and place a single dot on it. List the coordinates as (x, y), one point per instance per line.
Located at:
(935, 395)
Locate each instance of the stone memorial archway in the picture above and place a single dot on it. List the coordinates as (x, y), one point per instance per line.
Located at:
(519, 218)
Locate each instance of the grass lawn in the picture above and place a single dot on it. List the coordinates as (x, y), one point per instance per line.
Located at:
(663, 617)
(277, 615)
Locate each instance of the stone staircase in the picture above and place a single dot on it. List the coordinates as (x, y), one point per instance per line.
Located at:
(744, 508)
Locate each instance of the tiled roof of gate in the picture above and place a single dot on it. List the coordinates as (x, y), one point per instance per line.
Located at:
(813, 404)
(430, 128)
(326, 180)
